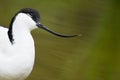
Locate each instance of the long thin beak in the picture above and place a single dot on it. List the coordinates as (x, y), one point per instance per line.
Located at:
(50, 31)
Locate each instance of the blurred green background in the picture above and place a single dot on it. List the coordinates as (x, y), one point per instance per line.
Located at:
(93, 56)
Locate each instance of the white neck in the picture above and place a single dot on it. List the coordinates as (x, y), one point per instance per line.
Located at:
(18, 60)
(22, 47)
(21, 33)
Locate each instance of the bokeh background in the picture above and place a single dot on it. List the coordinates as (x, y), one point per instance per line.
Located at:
(93, 56)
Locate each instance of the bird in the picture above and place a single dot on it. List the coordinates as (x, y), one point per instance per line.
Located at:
(17, 51)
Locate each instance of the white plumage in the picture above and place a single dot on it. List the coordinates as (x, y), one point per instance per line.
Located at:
(17, 59)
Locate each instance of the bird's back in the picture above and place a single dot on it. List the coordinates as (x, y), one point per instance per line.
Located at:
(4, 40)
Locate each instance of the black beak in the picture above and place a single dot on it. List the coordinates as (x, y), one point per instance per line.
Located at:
(50, 31)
